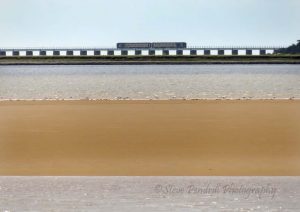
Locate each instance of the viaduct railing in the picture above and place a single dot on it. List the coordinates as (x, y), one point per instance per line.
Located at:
(90, 51)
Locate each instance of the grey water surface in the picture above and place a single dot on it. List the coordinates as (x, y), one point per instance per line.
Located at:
(150, 82)
(159, 194)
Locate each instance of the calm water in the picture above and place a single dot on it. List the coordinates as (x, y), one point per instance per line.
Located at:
(150, 82)
(159, 194)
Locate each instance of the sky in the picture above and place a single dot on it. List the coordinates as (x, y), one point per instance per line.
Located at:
(102, 23)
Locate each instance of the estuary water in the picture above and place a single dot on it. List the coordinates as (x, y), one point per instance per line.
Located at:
(148, 194)
(150, 82)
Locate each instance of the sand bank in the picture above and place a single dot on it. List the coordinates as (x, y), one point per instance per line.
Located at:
(252, 137)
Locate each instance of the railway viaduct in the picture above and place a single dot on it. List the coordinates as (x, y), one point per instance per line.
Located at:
(193, 51)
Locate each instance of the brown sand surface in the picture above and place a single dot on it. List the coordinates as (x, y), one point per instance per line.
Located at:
(255, 137)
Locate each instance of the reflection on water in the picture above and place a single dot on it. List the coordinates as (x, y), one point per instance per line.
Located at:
(150, 82)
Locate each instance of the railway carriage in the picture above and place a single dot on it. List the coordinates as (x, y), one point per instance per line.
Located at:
(156, 45)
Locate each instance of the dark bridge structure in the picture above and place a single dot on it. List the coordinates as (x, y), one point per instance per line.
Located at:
(142, 49)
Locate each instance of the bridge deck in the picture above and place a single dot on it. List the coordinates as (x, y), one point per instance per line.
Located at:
(129, 49)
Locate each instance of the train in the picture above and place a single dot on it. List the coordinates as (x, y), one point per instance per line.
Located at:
(156, 45)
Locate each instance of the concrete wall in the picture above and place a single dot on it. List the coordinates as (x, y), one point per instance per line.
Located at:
(255, 52)
(145, 52)
(213, 52)
(63, 53)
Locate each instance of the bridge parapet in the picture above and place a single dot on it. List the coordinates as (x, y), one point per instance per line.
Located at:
(191, 50)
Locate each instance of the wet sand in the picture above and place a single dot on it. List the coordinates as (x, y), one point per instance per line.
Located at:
(250, 137)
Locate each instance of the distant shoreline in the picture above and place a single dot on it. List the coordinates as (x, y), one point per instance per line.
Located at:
(149, 60)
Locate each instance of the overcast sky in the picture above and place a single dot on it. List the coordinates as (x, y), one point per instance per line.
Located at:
(37, 23)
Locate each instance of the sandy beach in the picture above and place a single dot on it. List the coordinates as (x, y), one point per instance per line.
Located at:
(175, 137)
